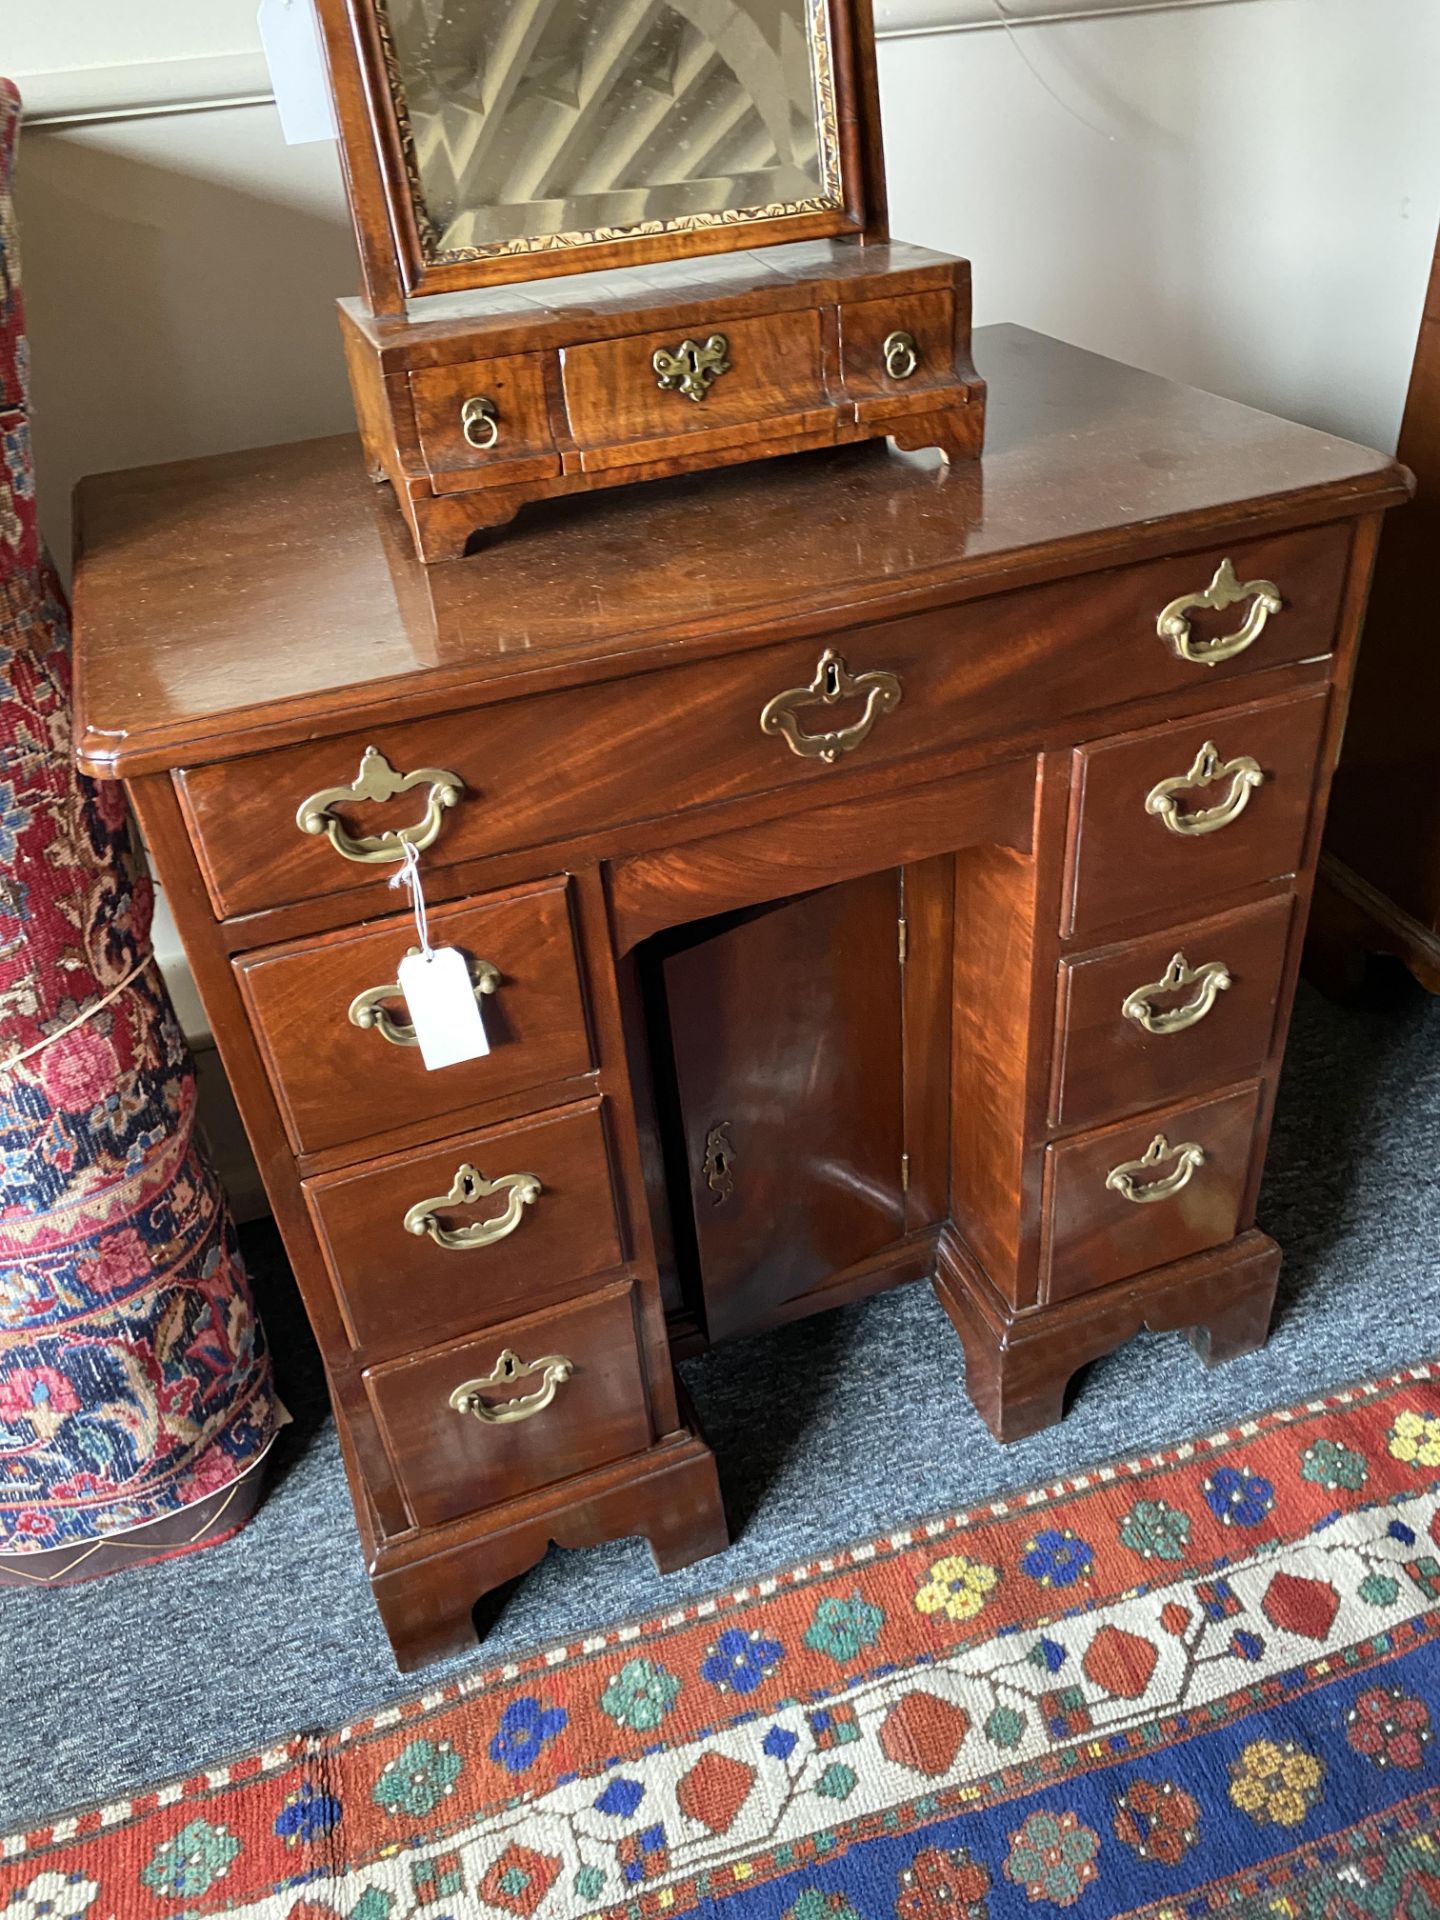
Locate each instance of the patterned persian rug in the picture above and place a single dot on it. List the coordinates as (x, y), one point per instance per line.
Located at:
(1198, 1683)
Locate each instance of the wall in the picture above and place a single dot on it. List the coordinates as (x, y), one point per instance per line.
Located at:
(1241, 193)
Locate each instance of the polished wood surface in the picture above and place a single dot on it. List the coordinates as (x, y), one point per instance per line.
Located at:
(187, 571)
(1126, 860)
(1379, 888)
(337, 1083)
(1107, 1063)
(788, 1056)
(597, 688)
(450, 1463)
(1094, 1235)
(398, 1289)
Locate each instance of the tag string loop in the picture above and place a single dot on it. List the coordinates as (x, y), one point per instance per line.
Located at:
(409, 876)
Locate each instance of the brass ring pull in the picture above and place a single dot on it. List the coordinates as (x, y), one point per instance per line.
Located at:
(377, 780)
(1226, 590)
(1243, 774)
(553, 1370)
(1209, 980)
(833, 682)
(1126, 1181)
(902, 355)
(369, 1010)
(470, 1185)
(480, 422)
(692, 369)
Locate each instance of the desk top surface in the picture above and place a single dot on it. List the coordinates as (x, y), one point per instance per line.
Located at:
(252, 599)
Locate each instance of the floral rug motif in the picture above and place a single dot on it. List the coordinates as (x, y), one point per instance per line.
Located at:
(1202, 1682)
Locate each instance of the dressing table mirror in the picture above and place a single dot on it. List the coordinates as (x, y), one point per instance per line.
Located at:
(609, 240)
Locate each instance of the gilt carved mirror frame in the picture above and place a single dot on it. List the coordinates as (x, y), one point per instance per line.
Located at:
(404, 256)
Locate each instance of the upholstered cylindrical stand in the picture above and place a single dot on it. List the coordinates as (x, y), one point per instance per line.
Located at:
(136, 1404)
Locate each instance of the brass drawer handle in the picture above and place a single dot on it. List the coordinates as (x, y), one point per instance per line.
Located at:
(480, 422)
(1209, 980)
(377, 780)
(692, 369)
(1126, 1179)
(470, 1186)
(1226, 590)
(1243, 774)
(554, 1369)
(902, 355)
(833, 681)
(368, 1009)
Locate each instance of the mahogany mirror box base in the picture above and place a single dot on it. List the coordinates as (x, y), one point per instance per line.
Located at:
(476, 404)
(868, 871)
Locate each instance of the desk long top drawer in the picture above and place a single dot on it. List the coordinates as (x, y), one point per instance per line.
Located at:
(328, 816)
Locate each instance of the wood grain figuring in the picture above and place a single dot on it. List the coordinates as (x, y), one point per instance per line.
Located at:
(1107, 1064)
(336, 1082)
(1127, 861)
(1094, 1235)
(787, 1043)
(596, 684)
(965, 674)
(202, 586)
(450, 1463)
(401, 1290)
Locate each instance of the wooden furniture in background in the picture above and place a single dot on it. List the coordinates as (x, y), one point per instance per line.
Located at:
(902, 874)
(1379, 885)
(621, 155)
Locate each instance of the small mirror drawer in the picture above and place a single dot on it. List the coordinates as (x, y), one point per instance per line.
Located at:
(428, 1244)
(522, 1406)
(338, 1077)
(484, 417)
(1192, 811)
(1141, 1195)
(768, 369)
(1168, 1016)
(896, 350)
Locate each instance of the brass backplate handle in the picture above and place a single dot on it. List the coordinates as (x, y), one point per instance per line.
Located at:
(553, 1370)
(1206, 770)
(1226, 590)
(833, 682)
(1209, 982)
(693, 367)
(480, 422)
(1128, 1179)
(369, 1009)
(378, 781)
(470, 1186)
(902, 355)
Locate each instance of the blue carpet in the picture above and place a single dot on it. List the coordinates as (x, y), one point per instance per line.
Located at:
(826, 1431)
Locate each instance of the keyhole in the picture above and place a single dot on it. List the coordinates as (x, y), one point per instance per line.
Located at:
(832, 680)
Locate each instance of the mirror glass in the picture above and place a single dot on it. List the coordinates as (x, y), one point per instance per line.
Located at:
(544, 123)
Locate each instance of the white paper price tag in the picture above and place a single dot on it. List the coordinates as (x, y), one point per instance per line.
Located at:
(290, 35)
(443, 1008)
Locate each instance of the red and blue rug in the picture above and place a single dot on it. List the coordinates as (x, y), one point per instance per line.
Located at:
(1202, 1682)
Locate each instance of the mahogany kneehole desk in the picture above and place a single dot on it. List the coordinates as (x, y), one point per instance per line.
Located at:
(870, 872)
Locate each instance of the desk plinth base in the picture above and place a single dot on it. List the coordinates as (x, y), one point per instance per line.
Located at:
(1019, 1365)
(428, 1584)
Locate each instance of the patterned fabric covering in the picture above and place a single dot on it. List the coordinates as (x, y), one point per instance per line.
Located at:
(1204, 1682)
(134, 1384)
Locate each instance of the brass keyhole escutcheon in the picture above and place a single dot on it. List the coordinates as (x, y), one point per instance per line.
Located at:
(693, 367)
(1226, 590)
(1207, 769)
(719, 1166)
(377, 781)
(520, 1190)
(1209, 981)
(1131, 1178)
(902, 354)
(553, 1371)
(833, 681)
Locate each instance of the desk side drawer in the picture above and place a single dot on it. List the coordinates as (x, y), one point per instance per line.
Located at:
(336, 1075)
(1192, 811)
(1170, 1015)
(512, 1209)
(571, 1392)
(481, 782)
(1137, 1196)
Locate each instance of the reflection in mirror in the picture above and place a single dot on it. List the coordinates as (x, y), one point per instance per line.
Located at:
(552, 122)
